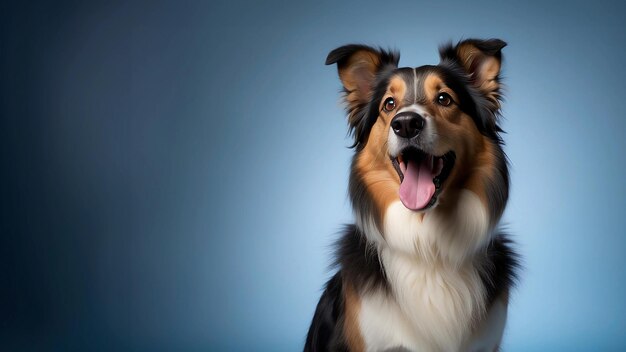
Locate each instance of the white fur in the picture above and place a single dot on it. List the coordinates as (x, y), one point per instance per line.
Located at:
(440, 302)
(416, 108)
(368, 226)
(489, 333)
(394, 144)
(449, 239)
(437, 295)
(383, 324)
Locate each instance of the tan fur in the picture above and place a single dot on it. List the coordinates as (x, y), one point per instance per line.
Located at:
(458, 132)
(351, 328)
(483, 169)
(433, 85)
(485, 70)
(373, 163)
(357, 78)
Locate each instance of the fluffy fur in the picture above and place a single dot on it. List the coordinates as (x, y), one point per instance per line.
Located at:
(431, 274)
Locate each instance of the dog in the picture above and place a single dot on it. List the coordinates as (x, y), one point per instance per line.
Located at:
(425, 267)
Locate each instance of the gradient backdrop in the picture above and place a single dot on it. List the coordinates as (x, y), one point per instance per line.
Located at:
(173, 174)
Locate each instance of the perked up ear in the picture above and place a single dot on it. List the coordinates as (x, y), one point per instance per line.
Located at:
(481, 60)
(358, 66)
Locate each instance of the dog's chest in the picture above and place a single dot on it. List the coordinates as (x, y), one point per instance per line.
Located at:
(427, 308)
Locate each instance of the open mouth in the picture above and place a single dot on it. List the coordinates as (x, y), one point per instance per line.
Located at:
(421, 176)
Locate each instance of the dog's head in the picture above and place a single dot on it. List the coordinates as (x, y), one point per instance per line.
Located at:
(425, 135)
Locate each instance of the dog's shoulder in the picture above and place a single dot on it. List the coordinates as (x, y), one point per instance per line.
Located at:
(326, 332)
(359, 265)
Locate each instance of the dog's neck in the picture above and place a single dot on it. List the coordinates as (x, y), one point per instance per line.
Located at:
(432, 264)
(439, 238)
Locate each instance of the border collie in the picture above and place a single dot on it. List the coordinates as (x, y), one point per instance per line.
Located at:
(424, 267)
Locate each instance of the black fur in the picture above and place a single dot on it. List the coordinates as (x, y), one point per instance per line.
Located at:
(370, 111)
(358, 264)
(497, 189)
(343, 53)
(361, 198)
(491, 47)
(500, 271)
(359, 261)
(326, 331)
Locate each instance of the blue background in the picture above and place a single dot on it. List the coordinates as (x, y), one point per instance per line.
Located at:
(173, 174)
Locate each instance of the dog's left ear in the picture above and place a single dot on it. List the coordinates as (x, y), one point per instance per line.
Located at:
(481, 60)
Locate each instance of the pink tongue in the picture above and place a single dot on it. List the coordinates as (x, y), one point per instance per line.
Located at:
(417, 188)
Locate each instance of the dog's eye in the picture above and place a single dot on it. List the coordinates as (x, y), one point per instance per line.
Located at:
(444, 99)
(389, 104)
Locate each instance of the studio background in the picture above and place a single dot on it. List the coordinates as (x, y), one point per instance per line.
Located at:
(173, 174)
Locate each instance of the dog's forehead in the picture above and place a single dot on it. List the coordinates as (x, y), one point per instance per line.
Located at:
(417, 80)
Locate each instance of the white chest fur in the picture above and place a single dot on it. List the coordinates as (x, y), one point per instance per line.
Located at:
(386, 327)
(428, 309)
(437, 299)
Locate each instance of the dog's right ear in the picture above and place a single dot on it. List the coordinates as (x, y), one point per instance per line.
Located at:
(358, 66)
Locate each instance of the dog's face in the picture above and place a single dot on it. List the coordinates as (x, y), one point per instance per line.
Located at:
(424, 135)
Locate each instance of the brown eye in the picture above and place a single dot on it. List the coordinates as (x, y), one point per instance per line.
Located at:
(444, 99)
(389, 104)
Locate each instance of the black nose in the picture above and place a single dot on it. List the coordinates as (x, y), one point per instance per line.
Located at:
(407, 124)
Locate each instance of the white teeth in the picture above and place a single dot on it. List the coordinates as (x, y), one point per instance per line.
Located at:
(402, 167)
(438, 167)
